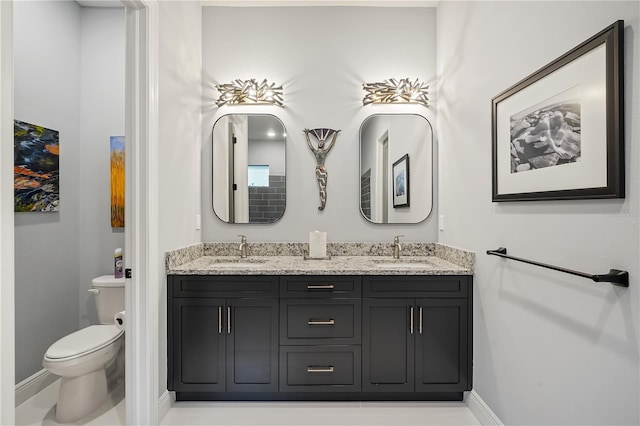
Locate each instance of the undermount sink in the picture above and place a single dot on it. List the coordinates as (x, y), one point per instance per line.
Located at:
(237, 263)
(402, 264)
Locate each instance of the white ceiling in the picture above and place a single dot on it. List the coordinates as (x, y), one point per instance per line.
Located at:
(100, 3)
(276, 3)
(365, 3)
(259, 127)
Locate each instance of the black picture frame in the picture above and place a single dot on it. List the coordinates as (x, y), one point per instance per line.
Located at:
(400, 182)
(569, 113)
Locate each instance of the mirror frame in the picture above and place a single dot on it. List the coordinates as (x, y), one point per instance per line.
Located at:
(213, 190)
(360, 166)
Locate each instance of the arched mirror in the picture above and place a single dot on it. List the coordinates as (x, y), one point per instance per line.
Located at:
(249, 168)
(396, 168)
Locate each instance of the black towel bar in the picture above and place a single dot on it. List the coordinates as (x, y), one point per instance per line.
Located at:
(615, 276)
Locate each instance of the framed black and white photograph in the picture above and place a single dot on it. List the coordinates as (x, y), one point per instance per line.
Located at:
(558, 134)
(401, 182)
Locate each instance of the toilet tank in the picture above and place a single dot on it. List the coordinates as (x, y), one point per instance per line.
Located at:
(109, 297)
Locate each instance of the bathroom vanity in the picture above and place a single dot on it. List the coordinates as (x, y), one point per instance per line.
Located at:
(349, 328)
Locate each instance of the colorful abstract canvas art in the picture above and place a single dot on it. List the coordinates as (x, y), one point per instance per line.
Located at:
(36, 168)
(117, 181)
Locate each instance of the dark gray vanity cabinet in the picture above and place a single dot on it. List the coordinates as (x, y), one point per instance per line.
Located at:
(383, 337)
(198, 345)
(388, 346)
(417, 334)
(442, 352)
(320, 334)
(223, 334)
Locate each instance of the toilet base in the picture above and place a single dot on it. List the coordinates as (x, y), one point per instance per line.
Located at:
(80, 396)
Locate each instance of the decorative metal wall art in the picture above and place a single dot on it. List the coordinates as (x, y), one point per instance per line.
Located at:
(394, 91)
(249, 92)
(321, 152)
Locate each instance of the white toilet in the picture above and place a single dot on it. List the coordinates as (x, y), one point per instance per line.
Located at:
(87, 357)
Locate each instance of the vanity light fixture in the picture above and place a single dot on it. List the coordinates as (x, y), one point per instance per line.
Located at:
(394, 91)
(249, 92)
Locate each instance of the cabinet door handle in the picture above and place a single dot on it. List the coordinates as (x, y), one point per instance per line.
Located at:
(328, 369)
(228, 319)
(411, 319)
(321, 322)
(320, 287)
(420, 319)
(219, 319)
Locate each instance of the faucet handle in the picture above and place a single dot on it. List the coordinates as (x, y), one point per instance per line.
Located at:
(243, 238)
(396, 239)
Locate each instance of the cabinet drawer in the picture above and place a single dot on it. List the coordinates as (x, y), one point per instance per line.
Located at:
(323, 368)
(224, 286)
(328, 321)
(417, 286)
(320, 286)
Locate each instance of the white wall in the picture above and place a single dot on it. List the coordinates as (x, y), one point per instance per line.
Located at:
(268, 152)
(179, 115)
(47, 93)
(549, 348)
(321, 56)
(69, 76)
(101, 116)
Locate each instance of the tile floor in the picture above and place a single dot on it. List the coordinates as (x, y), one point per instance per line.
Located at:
(319, 414)
(40, 410)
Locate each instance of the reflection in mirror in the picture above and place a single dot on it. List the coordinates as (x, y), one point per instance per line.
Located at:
(396, 170)
(249, 168)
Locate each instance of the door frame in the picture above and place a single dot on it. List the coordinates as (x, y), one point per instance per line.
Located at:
(141, 213)
(382, 178)
(7, 251)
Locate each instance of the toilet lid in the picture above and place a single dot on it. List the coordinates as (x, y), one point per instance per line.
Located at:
(88, 339)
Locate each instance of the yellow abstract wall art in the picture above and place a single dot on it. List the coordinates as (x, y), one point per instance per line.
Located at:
(117, 181)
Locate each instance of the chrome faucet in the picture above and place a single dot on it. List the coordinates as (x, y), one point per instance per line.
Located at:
(243, 246)
(396, 246)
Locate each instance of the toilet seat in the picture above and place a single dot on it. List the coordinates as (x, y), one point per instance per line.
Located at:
(83, 342)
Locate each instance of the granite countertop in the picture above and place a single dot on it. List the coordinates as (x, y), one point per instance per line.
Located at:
(342, 265)
(346, 259)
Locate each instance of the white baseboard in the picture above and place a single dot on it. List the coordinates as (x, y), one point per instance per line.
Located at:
(164, 404)
(34, 384)
(482, 411)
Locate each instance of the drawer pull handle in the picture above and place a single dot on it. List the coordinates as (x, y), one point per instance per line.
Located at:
(228, 319)
(328, 369)
(321, 322)
(219, 319)
(420, 319)
(320, 287)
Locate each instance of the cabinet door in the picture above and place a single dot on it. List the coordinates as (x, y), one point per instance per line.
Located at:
(441, 345)
(252, 345)
(198, 345)
(387, 345)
